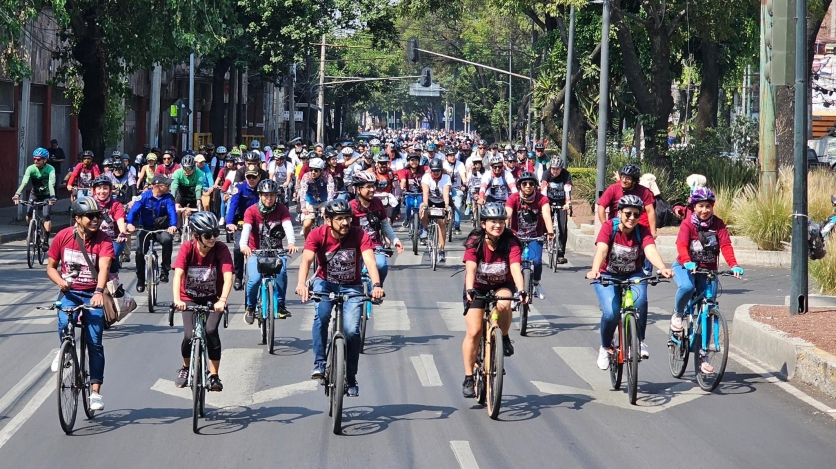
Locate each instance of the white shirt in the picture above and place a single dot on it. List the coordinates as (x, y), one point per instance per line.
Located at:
(493, 186)
(456, 172)
(436, 188)
(468, 163)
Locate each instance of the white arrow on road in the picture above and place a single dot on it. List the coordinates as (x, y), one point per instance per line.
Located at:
(240, 374)
(582, 362)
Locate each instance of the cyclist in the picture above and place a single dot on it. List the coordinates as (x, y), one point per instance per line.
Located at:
(473, 181)
(436, 189)
(146, 174)
(620, 250)
(281, 171)
(202, 274)
(557, 186)
(265, 225)
(82, 175)
(187, 188)
(155, 210)
(492, 260)
(386, 187)
(315, 188)
(205, 173)
(700, 241)
(336, 170)
(124, 188)
(113, 218)
(243, 196)
(86, 288)
(107, 169)
(481, 152)
(628, 184)
(168, 167)
(530, 216)
(512, 166)
(41, 176)
(498, 183)
(295, 154)
(455, 169)
(370, 215)
(540, 153)
(252, 161)
(340, 249)
(126, 164)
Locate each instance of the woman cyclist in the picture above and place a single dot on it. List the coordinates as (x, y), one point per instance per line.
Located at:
(492, 263)
(620, 250)
(202, 274)
(146, 174)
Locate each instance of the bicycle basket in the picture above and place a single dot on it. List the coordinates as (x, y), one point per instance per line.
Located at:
(269, 265)
(436, 212)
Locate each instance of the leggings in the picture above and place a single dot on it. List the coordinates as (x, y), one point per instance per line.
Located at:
(213, 338)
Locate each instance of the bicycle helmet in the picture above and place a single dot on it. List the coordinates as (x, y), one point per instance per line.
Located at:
(235, 151)
(703, 194)
(102, 181)
(556, 162)
(413, 156)
(40, 153)
(337, 207)
(255, 144)
(210, 146)
(451, 150)
(510, 157)
(496, 159)
(631, 201)
(431, 147)
(476, 159)
(187, 162)
(363, 177)
(85, 205)
(632, 171)
(493, 211)
(482, 143)
(86, 154)
(331, 154)
(278, 155)
(203, 222)
(374, 142)
(539, 146)
(252, 157)
(316, 163)
(347, 151)
(268, 186)
(436, 165)
(383, 158)
(518, 148)
(108, 162)
(229, 157)
(151, 157)
(221, 150)
(527, 176)
(418, 147)
(239, 159)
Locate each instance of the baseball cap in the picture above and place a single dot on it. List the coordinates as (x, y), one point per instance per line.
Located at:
(199, 158)
(160, 179)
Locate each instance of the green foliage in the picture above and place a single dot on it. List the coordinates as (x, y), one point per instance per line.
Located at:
(823, 271)
(763, 216)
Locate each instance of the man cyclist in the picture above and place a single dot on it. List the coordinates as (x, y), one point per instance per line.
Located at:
(202, 275)
(455, 169)
(155, 210)
(243, 196)
(82, 175)
(435, 187)
(340, 249)
(497, 183)
(113, 218)
(252, 161)
(473, 181)
(168, 167)
(281, 171)
(557, 186)
(386, 186)
(41, 177)
(187, 188)
(124, 188)
(266, 224)
(205, 172)
(370, 215)
(481, 152)
(315, 188)
(87, 288)
(628, 184)
(530, 216)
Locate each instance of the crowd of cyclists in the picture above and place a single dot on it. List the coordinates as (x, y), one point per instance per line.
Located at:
(345, 201)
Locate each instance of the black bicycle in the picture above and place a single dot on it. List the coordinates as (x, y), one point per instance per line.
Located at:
(36, 234)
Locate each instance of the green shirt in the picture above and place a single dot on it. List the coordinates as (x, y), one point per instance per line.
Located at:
(192, 182)
(42, 180)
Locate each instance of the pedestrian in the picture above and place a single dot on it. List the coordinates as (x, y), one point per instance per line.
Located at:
(56, 156)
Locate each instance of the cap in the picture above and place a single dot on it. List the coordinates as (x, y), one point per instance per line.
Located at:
(199, 158)
(160, 179)
(251, 170)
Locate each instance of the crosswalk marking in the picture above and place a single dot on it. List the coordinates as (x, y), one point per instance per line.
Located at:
(426, 369)
(535, 319)
(464, 455)
(451, 313)
(390, 316)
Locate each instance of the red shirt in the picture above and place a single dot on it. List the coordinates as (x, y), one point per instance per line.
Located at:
(611, 195)
(346, 254)
(413, 180)
(360, 219)
(384, 181)
(203, 278)
(689, 247)
(114, 211)
(260, 236)
(494, 270)
(518, 223)
(64, 248)
(167, 172)
(625, 254)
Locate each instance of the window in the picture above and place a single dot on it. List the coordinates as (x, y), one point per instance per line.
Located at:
(7, 104)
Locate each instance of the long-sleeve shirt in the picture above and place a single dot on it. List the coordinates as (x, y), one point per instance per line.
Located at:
(42, 180)
(84, 174)
(148, 208)
(239, 202)
(190, 183)
(317, 190)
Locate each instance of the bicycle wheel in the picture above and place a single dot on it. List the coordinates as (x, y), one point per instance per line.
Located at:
(479, 372)
(716, 354)
(678, 352)
(337, 381)
(616, 368)
(632, 354)
(149, 281)
(432, 244)
(416, 231)
(197, 382)
(271, 318)
(450, 224)
(67, 387)
(84, 377)
(30, 243)
(524, 307)
(495, 373)
(364, 320)
(262, 318)
(41, 250)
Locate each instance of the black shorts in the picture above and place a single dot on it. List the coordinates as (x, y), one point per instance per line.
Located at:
(186, 201)
(479, 303)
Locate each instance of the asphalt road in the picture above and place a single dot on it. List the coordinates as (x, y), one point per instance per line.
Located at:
(557, 411)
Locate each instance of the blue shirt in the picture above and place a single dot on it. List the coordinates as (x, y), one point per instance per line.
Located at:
(149, 208)
(208, 180)
(239, 202)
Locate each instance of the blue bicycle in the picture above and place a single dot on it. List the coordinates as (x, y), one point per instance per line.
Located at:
(270, 264)
(367, 305)
(412, 203)
(527, 271)
(705, 333)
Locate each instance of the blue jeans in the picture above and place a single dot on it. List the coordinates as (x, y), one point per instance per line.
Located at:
(457, 199)
(610, 300)
(535, 253)
(382, 266)
(94, 323)
(254, 281)
(115, 264)
(351, 323)
(688, 283)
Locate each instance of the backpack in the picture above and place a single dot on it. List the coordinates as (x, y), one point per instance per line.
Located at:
(615, 222)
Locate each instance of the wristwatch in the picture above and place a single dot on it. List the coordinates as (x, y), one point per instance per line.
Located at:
(99, 290)
(377, 285)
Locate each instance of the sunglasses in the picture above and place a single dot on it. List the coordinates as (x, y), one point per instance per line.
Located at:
(497, 166)
(630, 214)
(212, 234)
(316, 170)
(527, 184)
(37, 160)
(241, 163)
(93, 215)
(252, 177)
(166, 159)
(482, 148)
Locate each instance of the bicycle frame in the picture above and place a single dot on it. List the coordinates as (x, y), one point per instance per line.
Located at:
(703, 302)
(627, 309)
(199, 334)
(411, 202)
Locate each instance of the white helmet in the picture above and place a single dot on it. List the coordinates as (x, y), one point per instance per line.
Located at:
(347, 151)
(316, 163)
(496, 159)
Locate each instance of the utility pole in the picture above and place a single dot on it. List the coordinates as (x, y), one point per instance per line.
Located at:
(529, 130)
(567, 100)
(798, 264)
(510, 128)
(232, 110)
(291, 123)
(190, 143)
(768, 149)
(320, 125)
(23, 124)
(603, 94)
(156, 83)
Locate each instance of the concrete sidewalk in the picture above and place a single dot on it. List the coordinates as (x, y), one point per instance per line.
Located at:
(12, 229)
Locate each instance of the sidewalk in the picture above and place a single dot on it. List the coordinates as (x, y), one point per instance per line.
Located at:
(15, 230)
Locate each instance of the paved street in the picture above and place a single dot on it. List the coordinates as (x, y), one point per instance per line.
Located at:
(557, 411)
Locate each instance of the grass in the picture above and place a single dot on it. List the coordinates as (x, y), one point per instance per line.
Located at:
(724, 207)
(764, 215)
(823, 271)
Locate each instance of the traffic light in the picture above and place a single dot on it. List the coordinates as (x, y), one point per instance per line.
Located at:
(412, 50)
(426, 77)
(780, 42)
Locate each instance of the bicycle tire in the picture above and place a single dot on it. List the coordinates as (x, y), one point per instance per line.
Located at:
(717, 353)
(197, 383)
(450, 223)
(524, 307)
(678, 353)
(271, 319)
(633, 354)
(38, 245)
(84, 377)
(416, 231)
(67, 387)
(432, 244)
(337, 380)
(495, 373)
(149, 281)
(262, 319)
(364, 320)
(30, 244)
(616, 368)
(479, 372)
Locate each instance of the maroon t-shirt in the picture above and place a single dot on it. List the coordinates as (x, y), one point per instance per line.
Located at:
(493, 270)
(625, 254)
(203, 278)
(64, 248)
(609, 199)
(346, 254)
(260, 236)
(361, 220)
(114, 211)
(518, 224)
(413, 180)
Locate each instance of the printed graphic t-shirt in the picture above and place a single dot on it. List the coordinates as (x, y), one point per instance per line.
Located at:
(493, 270)
(65, 249)
(361, 219)
(264, 228)
(339, 261)
(625, 254)
(203, 278)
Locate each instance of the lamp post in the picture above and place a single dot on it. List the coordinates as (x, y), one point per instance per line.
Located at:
(603, 104)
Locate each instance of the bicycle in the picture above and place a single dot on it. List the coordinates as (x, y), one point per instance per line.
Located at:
(692, 339)
(528, 285)
(412, 203)
(152, 268)
(551, 245)
(489, 370)
(473, 208)
(367, 305)
(625, 343)
(335, 364)
(269, 265)
(186, 228)
(35, 235)
(199, 358)
(434, 214)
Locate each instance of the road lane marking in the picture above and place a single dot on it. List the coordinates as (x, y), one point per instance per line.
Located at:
(11, 397)
(390, 316)
(17, 422)
(287, 390)
(451, 313)
(426, 369)
(463, 454)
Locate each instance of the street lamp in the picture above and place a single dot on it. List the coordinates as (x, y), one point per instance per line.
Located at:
(603, 94)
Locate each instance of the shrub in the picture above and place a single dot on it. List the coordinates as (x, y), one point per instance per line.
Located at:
(764, 215)
(583, 184)
(823, 271)
(724, 207)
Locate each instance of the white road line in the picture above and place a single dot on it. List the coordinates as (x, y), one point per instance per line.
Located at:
(390, 316)
(451, 313)
(11, 397)
(37, 317)
(463, 454)
(285, 391)
(535, 319)
(14, 424)
(427, 372)
(296, 262)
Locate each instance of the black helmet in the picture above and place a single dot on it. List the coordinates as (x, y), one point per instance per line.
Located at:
(337, 207)
(85, 205)
(203, 222)
(108, 162)
(268, 186)
(451, 150)
(383, 158)
(252, 157)
(436, 165)
(539, 146)
(86, 154)
(101, 181)
(527, 176)
(187, 161)
(632, 171)
(631, 201)
(493, 211)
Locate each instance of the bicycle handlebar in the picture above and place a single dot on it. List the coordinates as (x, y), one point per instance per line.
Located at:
(341, 298)
(709, 272)
(490, 296)
(200, 309)
(269, 252)
(35, 203)
(526, 240)
(608, 281)
(69, 309)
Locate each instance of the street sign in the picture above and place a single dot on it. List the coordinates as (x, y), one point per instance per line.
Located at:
(432, 91)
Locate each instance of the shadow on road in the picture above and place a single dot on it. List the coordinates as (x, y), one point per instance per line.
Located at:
(381, 344)
(289, 346)
(519, 408)
(366, 420)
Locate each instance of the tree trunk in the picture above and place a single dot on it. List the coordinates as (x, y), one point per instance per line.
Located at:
(577, 130)
(217, 112)
(90, 54)
(709, 57)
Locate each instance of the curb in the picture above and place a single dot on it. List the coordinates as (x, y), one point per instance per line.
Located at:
(791, 358)
(816, 301)
(21, 235)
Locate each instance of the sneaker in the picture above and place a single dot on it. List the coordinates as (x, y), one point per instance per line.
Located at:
(177, 237)
(249, 315)
(423, 234)
(284, 313)
(644, 352)
(676, 322)
(561, 260)
(164, 276)
(705, 367)
(126, 257)
(440, 256)
(318, 371)
(352, 389)
(45, 245)
(215, 383)
(507, 346)
(56, 362)
(238, 285)
(457, 231)
(140, 287)
(96, 401)
(182, 377)
(468, 387)
(538, 291)
(603, 358)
